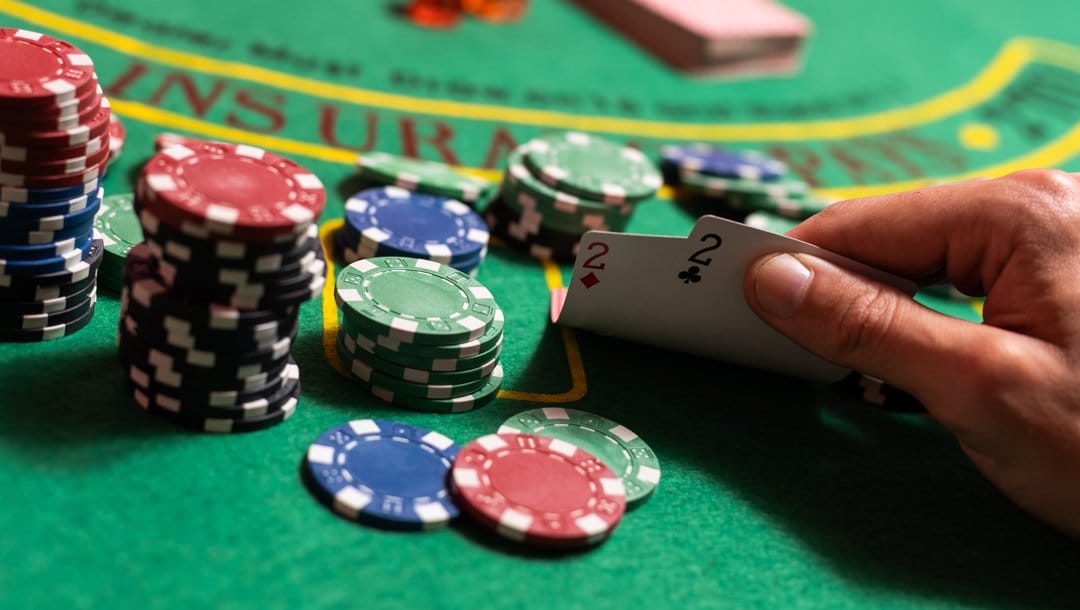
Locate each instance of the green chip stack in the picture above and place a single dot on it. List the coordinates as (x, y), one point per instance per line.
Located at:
(560, 185)
(420, 334)
(117, 225)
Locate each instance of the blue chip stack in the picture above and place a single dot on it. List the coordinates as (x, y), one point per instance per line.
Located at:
(392, 221)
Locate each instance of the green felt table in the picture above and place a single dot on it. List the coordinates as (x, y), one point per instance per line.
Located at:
(776, 493)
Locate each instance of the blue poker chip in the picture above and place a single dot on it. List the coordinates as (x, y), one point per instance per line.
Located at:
(44, 266)
(714, 161)
(13, 194)
(383, 472)
(27, 237)
(52, 223)
(46, 250)
(391, 221)
(71, 205)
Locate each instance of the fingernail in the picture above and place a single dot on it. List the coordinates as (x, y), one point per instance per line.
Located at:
(781, 284)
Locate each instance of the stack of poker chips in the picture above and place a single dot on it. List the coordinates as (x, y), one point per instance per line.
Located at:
(211, 297)
(392, 221)
(558, 186)
(54, 146)
(420, 334)
(739, 181)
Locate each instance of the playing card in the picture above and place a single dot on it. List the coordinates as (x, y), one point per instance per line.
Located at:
(686, 294)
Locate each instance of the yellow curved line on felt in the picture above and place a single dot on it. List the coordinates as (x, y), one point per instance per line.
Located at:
(330, 325)
(1052, 154)
(1015, 54)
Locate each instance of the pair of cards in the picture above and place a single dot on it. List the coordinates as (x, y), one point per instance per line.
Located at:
(686, 294)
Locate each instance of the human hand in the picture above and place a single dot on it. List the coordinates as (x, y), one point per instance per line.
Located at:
(1008, 389)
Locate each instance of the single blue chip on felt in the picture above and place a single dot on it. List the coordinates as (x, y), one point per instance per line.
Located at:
(714, 161)
(384, 472)
(391, 221)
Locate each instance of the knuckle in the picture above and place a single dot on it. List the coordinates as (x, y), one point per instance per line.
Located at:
(863, 324)
(1047, 180)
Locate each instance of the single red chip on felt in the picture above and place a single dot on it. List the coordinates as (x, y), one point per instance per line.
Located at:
(231, 190)
(540, 490)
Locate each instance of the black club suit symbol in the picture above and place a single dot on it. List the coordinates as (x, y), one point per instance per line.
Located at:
(691, 275)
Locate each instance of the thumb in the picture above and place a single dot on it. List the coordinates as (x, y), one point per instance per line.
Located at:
(859, 323)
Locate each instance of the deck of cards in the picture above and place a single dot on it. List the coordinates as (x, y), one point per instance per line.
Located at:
(711, 37)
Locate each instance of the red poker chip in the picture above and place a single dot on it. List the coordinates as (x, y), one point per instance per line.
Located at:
(88, 175)
(61, 138)
(67, 109)
(117, 135)
(56, 168)
(231, 190)
(41, 71)
(34, 155)
(539, 490)
(16, 121)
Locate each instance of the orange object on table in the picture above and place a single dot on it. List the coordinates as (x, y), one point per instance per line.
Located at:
(435, 13)
(497, 10)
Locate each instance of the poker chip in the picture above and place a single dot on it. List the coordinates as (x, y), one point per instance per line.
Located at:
(24, 154)
(42, 210)
(528, 195)
(391, 221)
(592, 167)
(420, 383)
(41, 71)
(47, 333)
(538, 490)
(422, 176)
(94, 127)
(426, 363)
(230, 191)
(624, 452)
(414, 300)
(117, 135)
(220, 425)
(589, 184)
(486, 393)
(710, 160)
(385, 473)
(118, 227)
(491, 337)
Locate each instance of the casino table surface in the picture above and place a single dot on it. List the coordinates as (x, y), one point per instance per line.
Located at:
(776, 492)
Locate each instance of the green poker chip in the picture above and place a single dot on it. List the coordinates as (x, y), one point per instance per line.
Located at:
(418, 375)
(592, 167)
(527, 195)
(118, 226)
(414, 300)
(772, 223)
(422, 176)
(398, 387)
(427, 363)
(491, 337)
(458, 404)
(615, 445)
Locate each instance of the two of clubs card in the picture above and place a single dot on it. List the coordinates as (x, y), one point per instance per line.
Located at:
(686, 294)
